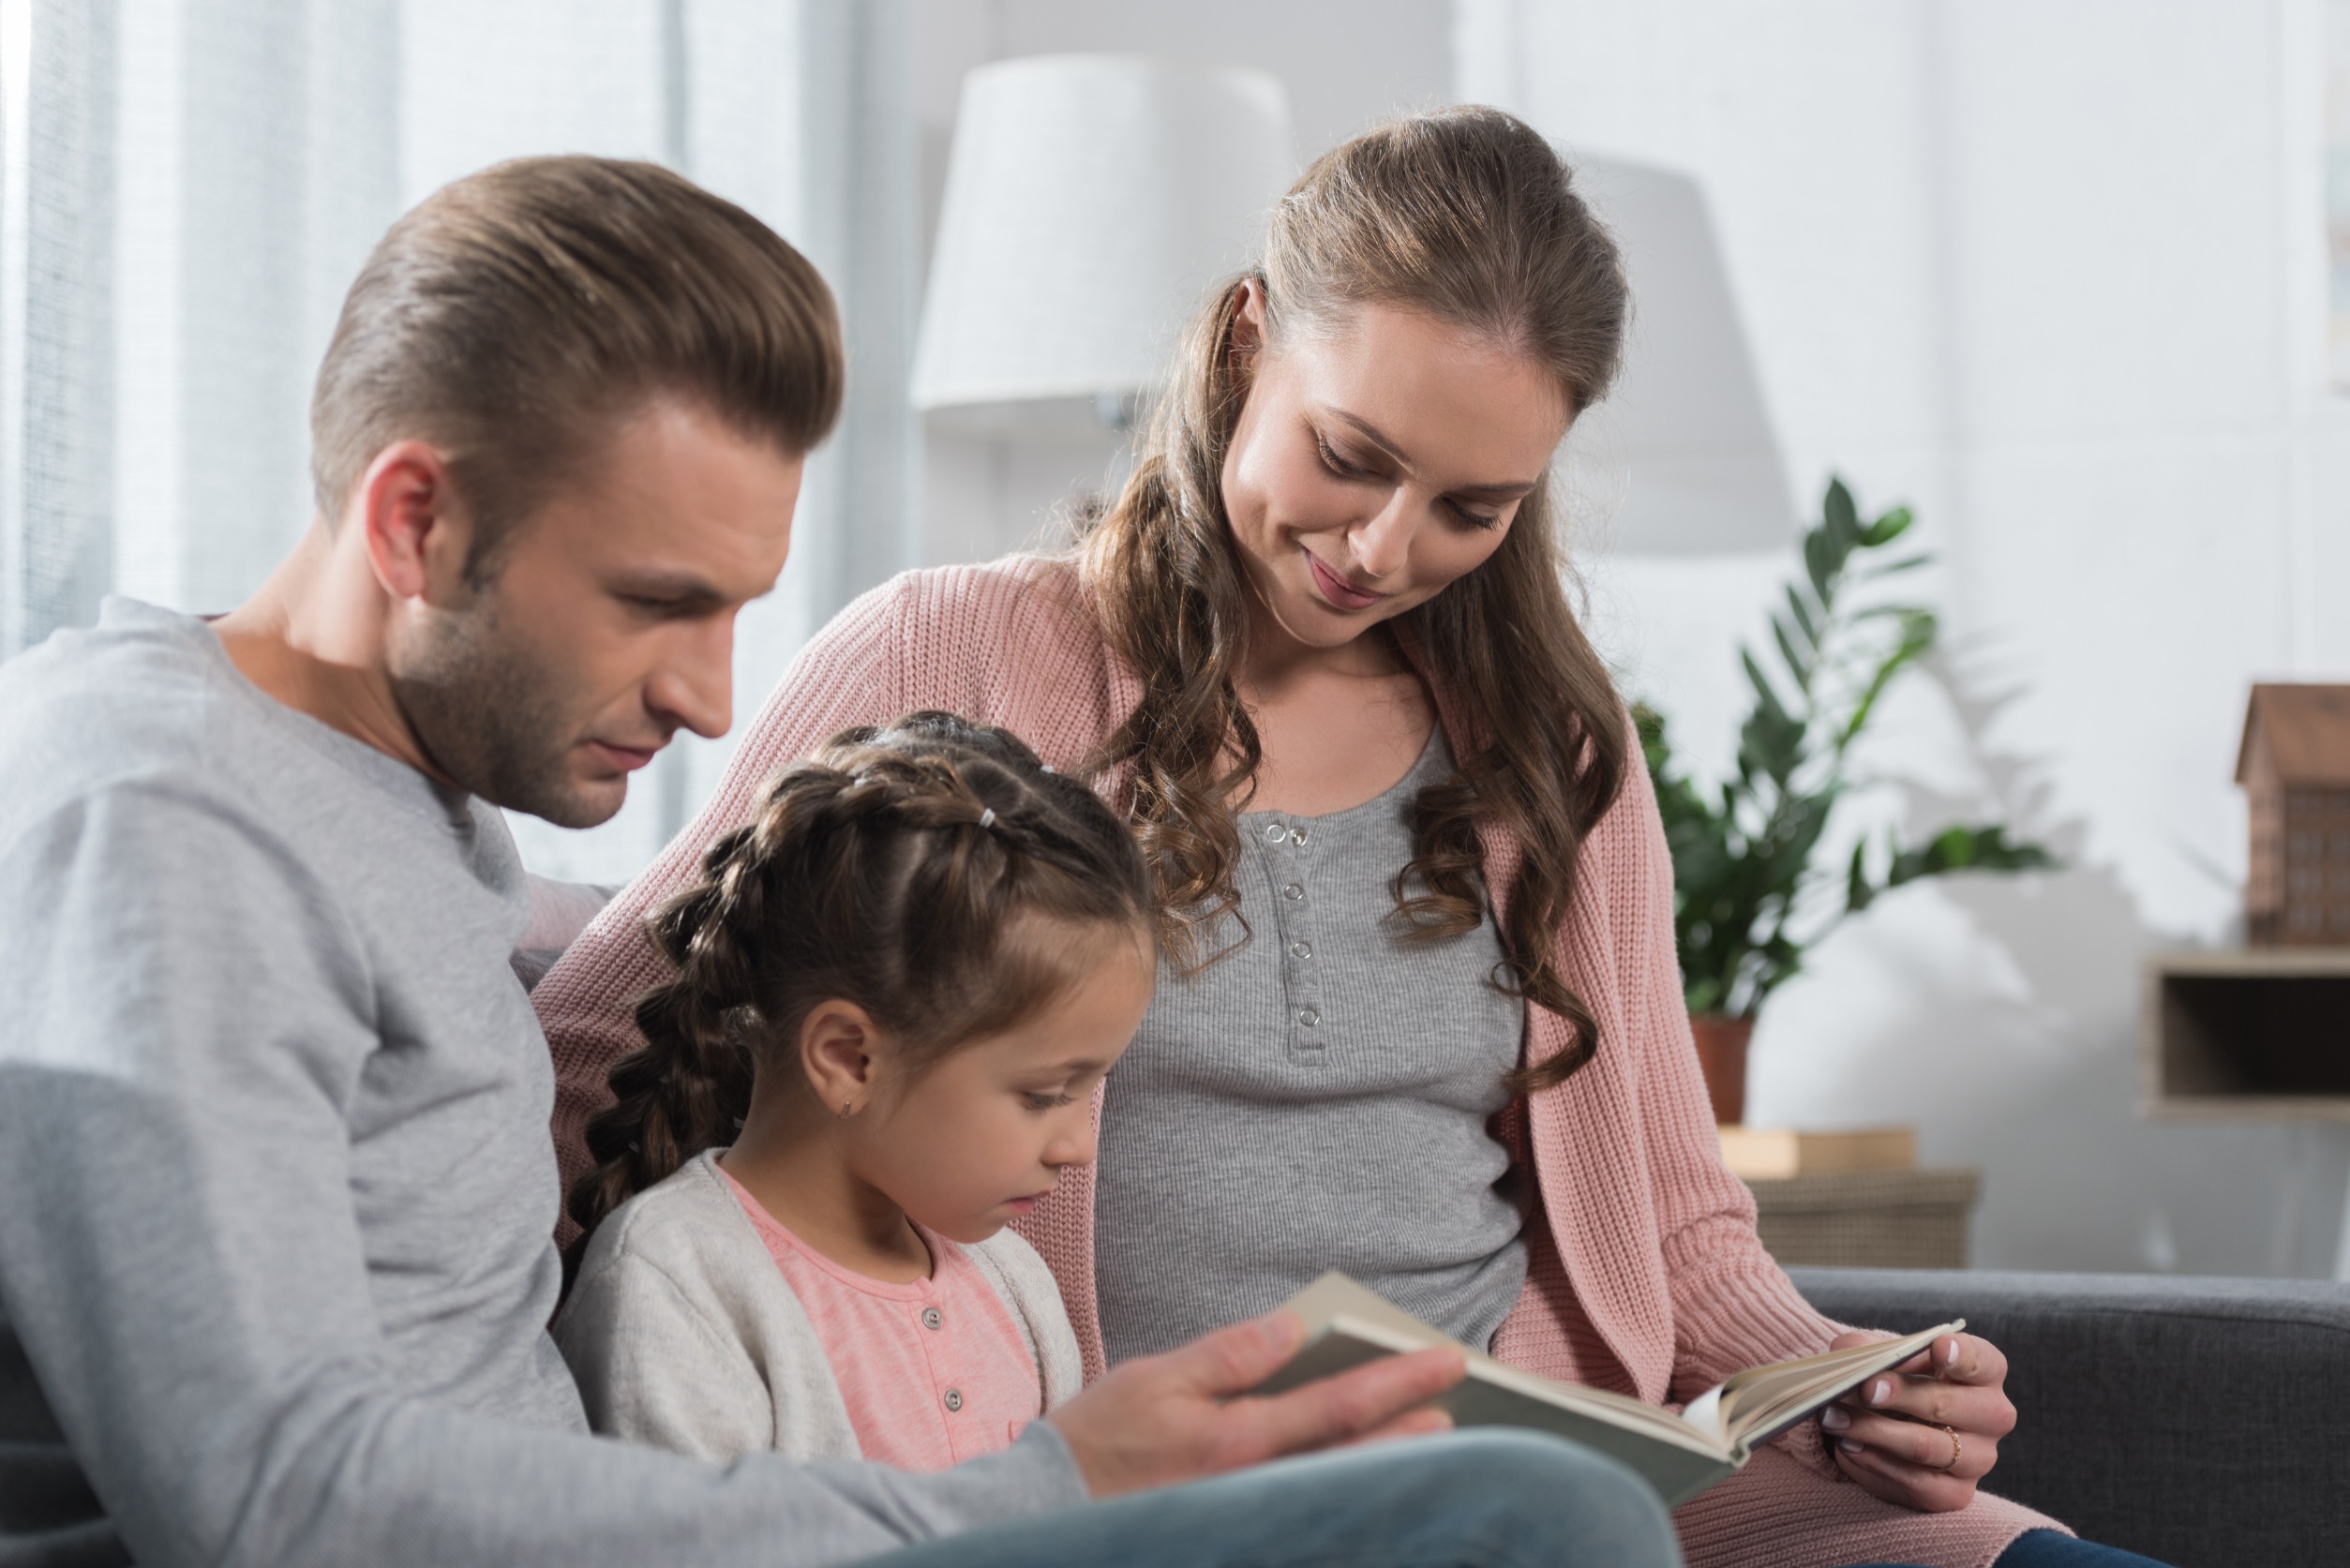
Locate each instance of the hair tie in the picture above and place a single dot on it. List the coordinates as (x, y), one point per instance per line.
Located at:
(987, 817)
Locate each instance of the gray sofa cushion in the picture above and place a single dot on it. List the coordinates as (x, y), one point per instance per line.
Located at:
(2202, 1422)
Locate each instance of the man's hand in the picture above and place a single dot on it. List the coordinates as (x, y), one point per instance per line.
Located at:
(1162, 1419)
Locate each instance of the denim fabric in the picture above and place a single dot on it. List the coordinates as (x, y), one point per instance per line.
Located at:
(1474, 1500)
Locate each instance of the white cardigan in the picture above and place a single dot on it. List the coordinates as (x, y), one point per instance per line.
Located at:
(683, 1332)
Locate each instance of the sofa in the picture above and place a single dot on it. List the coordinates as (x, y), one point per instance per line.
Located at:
(2205, 1422)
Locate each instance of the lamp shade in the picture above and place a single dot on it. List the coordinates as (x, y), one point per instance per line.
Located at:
(1700, 469)
(1090, 201)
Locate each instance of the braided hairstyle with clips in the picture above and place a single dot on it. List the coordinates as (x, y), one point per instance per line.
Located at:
(934, 873)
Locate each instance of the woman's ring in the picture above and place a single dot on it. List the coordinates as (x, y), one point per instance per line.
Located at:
(1954, 1452)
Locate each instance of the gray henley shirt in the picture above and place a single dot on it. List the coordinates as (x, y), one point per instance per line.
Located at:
(1317, 1098)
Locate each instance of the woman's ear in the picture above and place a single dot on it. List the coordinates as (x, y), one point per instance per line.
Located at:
(1245, 341)
(838, 1044)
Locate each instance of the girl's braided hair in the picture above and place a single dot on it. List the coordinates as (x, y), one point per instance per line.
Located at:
(893, 870)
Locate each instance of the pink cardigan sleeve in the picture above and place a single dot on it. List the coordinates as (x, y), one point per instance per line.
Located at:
(1733, 1306)
(852, 673)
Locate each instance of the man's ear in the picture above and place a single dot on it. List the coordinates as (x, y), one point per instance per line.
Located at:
(417, 535)
(1245, 341)
(838, 1041)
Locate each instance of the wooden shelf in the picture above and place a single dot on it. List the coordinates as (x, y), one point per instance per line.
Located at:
(2257, 1034)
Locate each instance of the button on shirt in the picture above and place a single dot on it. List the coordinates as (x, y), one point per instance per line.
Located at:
(932, 1372)
(1316, 1098)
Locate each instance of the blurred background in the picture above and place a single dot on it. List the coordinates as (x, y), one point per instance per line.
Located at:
(2059, 274)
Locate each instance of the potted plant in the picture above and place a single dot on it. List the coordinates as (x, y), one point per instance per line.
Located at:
(1748, 898)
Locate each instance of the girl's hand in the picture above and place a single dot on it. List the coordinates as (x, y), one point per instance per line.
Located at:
(1888, 1433)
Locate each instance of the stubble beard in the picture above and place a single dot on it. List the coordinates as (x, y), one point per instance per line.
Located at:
(490, 714)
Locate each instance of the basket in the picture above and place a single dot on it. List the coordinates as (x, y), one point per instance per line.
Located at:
(1914, 1219)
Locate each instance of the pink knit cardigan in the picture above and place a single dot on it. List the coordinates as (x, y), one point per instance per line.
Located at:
(1646, 1275)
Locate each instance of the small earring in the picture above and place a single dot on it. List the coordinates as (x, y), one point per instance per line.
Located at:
(845, 1108)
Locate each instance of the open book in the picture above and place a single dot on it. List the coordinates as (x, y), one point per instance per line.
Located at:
(1680, 1455)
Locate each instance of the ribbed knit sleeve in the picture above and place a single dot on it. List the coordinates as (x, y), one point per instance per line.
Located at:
(1734, 1307)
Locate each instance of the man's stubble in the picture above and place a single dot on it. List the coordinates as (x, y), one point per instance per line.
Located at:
(493, 715)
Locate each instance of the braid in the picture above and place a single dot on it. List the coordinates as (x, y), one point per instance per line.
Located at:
(690, 1085)
(885, 872)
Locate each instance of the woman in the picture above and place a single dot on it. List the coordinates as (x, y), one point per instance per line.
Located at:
(1422, 1016)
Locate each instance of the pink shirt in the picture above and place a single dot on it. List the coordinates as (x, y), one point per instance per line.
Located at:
(934, 1371)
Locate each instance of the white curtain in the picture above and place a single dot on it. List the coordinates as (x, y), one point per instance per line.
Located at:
(187, 187)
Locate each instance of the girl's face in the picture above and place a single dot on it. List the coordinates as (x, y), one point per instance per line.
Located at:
(1375, 464)
(979, 1138)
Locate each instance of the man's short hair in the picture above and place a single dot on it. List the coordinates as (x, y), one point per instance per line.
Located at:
(511, 316)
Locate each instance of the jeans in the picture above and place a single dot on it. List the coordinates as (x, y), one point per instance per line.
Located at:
(1487, 1499)
(2049, 1548)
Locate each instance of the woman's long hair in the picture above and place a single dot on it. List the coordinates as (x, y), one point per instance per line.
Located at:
(895, 871)
(1468, 216)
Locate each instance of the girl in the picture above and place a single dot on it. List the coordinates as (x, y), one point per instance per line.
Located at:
(1319, 651)
(897, 990)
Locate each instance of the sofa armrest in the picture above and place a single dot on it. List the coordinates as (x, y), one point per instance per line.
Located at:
(560, 911)
(2196, 1421)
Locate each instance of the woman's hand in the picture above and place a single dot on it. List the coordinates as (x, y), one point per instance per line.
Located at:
(1887, 1434)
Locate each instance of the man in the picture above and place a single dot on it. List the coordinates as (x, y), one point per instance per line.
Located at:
(276, 1188)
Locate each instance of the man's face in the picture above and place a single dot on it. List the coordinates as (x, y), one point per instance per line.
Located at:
(607, 625)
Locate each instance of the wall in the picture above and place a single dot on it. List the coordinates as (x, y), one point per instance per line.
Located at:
(2051, 272)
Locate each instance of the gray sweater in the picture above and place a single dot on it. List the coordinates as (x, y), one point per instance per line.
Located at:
(683, 1334)
(276, 1185)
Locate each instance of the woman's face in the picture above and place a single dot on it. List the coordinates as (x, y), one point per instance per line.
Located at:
(1376, 463)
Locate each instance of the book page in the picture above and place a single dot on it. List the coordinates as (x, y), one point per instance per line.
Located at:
(1350, 1326)
(1336, 1303)
(1756, 1405)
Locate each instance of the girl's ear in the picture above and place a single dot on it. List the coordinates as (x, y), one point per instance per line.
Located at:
(839, 1043)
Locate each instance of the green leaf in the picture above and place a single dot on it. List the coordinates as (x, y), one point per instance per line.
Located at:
(1919, 629)
(1907, 564)
(1887, 529)
(1966, 848)
(1803, 617)
(1819, 568)
(1839, 516)
(1650, 725)
(1795, 662)
(1858, 894)
(1766, 695)
(1772, 741)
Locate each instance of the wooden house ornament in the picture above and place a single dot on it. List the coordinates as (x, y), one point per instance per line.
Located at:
(2295, 767)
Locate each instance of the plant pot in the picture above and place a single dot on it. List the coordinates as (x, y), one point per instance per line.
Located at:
(1722, 1057)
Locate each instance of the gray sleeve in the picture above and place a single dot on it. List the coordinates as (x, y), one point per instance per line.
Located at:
(653, 1369)
(179, 1255)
